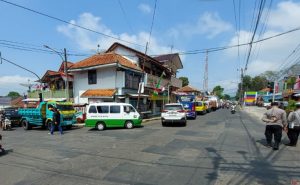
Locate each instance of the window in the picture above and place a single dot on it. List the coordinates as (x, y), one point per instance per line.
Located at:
(92, 77)
(115, 109)
(130, 108)
(92, 109)
(103, 109)
(132, 80)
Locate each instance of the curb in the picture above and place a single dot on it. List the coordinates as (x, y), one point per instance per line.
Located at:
(150, 119)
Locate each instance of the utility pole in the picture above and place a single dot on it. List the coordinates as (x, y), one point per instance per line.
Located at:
(205, 81)
(242, 93)
(66, 74)
(141, 82)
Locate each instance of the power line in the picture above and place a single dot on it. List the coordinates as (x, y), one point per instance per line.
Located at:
(125, 15)
(66, 22)
(152, 22)
(190, 52)
(262, 3)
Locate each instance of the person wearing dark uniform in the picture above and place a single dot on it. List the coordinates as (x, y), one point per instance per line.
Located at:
(56, 121)
(294, 126)
(275, 119)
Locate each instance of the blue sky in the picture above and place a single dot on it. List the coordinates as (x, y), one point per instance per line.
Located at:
(198, 24)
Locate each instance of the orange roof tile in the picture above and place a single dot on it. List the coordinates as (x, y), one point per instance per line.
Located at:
(99, 93)
(188, 89)
(103, 59)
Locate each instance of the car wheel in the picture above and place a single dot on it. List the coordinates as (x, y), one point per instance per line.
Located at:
(184, 124)
(128, 124)
(163, 124)
(26, 125)
(69, 127)
(100, 126)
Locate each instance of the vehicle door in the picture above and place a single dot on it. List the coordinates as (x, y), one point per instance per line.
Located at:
(115, 116)
(103, 114)
(129, 113)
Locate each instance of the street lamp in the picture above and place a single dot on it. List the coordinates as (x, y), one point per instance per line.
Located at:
(64, 59)
(40, 94)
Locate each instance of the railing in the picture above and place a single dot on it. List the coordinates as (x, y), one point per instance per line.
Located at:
(51, 94)
(152, 81)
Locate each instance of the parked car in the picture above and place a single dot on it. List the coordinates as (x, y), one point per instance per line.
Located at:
(111, 114)
(173, 113)
(201, 107)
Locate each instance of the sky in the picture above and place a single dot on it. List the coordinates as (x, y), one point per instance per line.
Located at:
(178, 26)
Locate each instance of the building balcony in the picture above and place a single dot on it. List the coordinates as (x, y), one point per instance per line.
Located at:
(151, 81)
(51, 94)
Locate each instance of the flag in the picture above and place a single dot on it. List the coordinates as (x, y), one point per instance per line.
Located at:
(156, 89)
(141, 87)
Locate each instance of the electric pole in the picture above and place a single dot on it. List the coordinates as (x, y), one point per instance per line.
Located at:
(205, 82)
(66, 74)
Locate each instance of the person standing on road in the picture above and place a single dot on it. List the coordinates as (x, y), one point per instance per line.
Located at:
(275, 119)
(293, 129)
(56, 121)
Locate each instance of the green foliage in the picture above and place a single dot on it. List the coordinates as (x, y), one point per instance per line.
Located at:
(185, 81)
(226, 97)
(291, 106)
(218, 90)
(13, 94)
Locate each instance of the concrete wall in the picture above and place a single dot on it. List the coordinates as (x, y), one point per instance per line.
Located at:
(107, 78)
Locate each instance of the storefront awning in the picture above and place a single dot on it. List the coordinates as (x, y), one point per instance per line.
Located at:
(99, 93)
(136, 95)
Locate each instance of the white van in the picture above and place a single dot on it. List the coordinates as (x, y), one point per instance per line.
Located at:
(111, 114)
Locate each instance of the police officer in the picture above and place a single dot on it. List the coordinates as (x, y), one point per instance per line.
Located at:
(275, 119)
(294, 126)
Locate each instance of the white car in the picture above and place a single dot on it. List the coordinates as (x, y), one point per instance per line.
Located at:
(173, 113)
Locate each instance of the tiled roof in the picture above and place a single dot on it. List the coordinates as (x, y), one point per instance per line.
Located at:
(99, 93)
(188, 89)
(167, 57)
(103, 59)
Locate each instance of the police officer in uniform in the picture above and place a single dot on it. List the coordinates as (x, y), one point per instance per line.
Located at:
(294, 126)
(275, 119)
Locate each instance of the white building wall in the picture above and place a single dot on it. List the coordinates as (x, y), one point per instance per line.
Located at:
(127, 54)
(107, 78)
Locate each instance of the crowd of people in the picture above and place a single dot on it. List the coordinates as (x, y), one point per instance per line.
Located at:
(277, 121)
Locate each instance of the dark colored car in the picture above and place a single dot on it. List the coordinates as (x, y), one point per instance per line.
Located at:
(13, 115)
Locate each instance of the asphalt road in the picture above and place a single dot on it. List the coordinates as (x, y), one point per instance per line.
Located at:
(217, 148)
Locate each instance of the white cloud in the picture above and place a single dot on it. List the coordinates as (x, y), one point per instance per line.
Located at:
(145, 8)
(270, 54)
(285, 15)
(12, 83)
(209, 24)
(88, 41)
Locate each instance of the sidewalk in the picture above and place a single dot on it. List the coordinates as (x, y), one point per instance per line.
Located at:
(255, 111)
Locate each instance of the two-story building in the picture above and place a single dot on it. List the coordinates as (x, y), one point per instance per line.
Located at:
(116, 75)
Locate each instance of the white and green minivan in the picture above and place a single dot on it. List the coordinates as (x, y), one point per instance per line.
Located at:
(111, 114)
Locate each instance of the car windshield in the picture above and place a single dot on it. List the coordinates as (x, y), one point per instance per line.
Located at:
(173, 107)
(62, 107)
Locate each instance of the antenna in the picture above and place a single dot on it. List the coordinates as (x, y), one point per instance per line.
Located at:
(98, 48)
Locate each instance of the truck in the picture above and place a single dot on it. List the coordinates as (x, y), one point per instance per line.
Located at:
(42, 116)
(188, 103)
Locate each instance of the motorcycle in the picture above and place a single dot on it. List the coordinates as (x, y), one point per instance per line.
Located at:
(232, 109)
(1, 149)
(6, 124)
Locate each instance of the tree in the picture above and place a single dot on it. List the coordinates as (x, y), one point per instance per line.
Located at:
(270, 75)
(13, 94)
(258, 83)
(218, 90)
(226, 97)
(185, 81)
